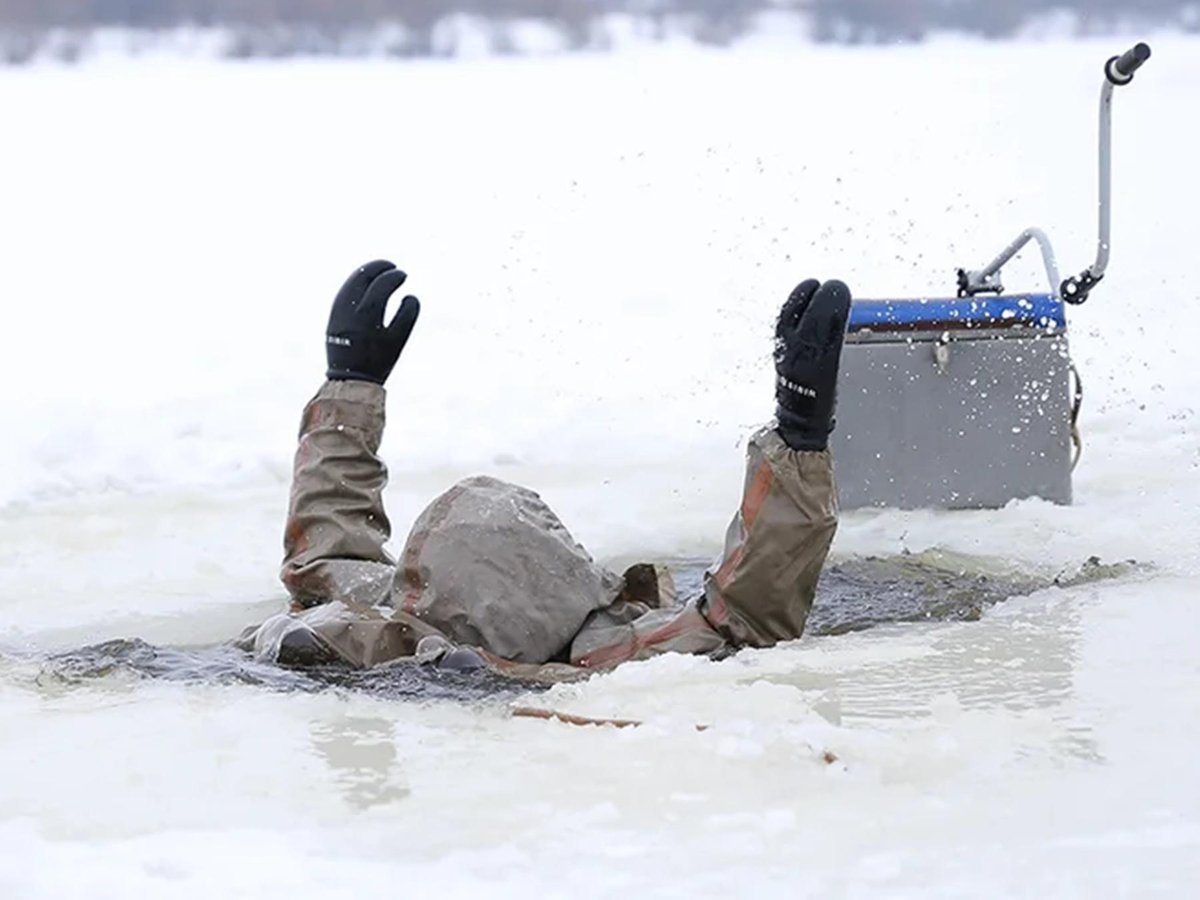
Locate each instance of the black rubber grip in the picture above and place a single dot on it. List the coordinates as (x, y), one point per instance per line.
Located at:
(1120, 69)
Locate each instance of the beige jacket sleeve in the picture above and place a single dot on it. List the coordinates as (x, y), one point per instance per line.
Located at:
(606, 641)
(336, 525)
(761, 591)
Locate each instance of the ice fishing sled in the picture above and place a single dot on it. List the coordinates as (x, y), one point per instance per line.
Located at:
(972, 401)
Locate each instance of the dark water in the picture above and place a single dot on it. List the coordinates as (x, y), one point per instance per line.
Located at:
(853, 595)
(224, 664)
(861, 593)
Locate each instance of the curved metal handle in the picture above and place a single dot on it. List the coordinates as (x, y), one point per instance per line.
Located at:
(1118, 71)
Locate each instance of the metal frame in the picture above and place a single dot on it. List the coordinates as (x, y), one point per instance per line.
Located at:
(987, 279)
(1102, 249)
(1117, 71)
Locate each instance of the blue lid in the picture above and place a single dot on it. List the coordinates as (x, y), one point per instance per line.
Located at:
(1025, 310)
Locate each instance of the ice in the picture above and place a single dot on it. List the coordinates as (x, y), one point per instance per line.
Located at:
(600, 243)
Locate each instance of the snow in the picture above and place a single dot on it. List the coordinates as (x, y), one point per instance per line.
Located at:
(600, 243)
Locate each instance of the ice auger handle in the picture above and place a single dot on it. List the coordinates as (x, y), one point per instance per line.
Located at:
(1119, 70)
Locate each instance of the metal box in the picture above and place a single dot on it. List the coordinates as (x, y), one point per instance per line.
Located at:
(954, 403)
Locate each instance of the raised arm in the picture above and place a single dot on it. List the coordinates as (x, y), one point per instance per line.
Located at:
(762, 590)
(336, 525)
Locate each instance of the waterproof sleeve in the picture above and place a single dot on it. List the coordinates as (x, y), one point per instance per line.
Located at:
(609, 639)
(336, 525)
(761, 591)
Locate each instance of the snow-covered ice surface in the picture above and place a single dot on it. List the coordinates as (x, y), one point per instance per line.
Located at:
(600, 244)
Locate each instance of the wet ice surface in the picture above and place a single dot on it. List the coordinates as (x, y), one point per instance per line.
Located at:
(606, 258)
(1027, 753)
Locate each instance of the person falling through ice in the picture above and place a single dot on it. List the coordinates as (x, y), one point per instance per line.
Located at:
(489, 575)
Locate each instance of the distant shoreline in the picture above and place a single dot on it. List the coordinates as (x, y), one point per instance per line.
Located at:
(465, 36)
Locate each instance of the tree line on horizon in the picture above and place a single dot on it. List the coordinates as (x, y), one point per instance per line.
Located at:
(288, 27)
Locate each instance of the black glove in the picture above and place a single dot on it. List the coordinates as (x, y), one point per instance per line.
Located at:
(808, 351)
(357, 344)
